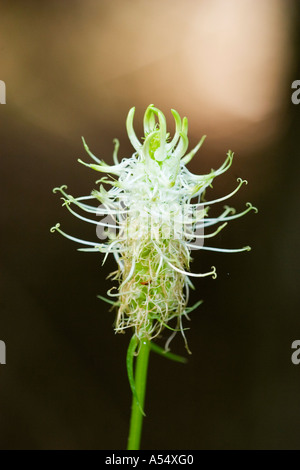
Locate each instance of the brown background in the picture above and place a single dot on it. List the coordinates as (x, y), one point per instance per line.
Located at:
(75, 68)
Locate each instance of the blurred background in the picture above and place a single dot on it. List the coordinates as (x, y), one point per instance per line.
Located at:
(74, 69)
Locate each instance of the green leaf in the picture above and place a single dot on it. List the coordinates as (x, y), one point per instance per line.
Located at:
(191, 309)
(167, 354)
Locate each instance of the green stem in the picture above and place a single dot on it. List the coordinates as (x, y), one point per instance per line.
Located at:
(136, 420)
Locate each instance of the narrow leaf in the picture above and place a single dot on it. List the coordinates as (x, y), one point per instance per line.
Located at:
(167, 354)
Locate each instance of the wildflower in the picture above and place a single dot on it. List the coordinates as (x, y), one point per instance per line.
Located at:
(154, 214)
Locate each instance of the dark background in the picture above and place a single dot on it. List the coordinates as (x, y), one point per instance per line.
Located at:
(76, 68)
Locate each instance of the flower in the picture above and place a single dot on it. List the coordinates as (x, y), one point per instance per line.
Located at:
(154, 214)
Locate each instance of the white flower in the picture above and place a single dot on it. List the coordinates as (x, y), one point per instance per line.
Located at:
(158, 214)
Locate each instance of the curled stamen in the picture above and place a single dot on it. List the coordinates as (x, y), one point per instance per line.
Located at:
(208, 222)
(118, 293)
(251, 207)
(59, 188)
(77, 240)
(212, 273)
(90, 221)
(210, 235)
(240, 181)
(226, 165)
(226, 250)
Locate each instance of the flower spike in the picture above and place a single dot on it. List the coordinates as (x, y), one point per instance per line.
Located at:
(153, 215)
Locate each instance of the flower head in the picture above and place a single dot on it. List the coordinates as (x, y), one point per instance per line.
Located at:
(154, 214)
